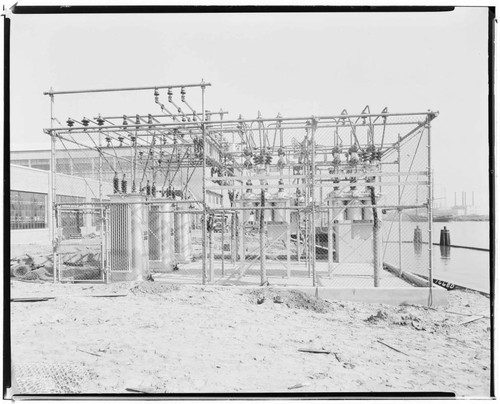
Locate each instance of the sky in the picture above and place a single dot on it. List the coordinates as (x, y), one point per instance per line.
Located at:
(297, 64)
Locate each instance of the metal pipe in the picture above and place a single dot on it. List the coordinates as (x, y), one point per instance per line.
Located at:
(222, 240)
(313, 197)
(297, 126)
(326, 117)
(376, 245)
(162, 115)
(51, 196)
(377, 183)
(297, 208)
(429, 205)
(167, 251)
(298, 236)
(106, 90)
(330, 241)
(233, 239)
(400, 224)
(204, 192)
(217, 123)
(195, 125)
(138, 266)
(211, 250)
(102, 219)
(263, 276)
(324, 178)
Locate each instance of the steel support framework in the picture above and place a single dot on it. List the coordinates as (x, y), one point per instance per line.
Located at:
(326, 160)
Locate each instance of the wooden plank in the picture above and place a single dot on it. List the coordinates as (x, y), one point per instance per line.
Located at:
(143, 390)
(316, 351)
(387, 345)
(87, 352)
(471, 320)
(31, 299)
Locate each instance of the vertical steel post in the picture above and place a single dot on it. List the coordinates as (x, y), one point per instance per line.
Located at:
(400, 241)
(307, 238)
(376, 252)
(263, 276)
(313, 201)
(234, 237)
(376, 239)
(105, 230)
(51, 195)
(102, 221)
(330, 239)
(430, 198)
(288, 222)
(307, 213)
(234, 241)
(204, 191)
(222, 240)
(298, 235)
(211, 249)
(241, 237)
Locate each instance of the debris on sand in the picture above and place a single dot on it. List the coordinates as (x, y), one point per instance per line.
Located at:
(381, 315)
(153, 288)
(291, 298)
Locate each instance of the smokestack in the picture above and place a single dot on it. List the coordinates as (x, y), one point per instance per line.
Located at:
(455, 199)
(472, 198)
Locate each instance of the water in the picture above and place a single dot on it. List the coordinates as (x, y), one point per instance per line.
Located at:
(470, 234)
(464, 267)
(468, 268)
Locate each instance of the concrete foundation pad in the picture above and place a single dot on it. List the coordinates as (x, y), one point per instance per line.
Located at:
(392, 296)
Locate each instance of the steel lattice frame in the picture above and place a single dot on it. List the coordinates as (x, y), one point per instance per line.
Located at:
(352, 151)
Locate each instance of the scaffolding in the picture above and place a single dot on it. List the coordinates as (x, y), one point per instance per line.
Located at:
(186, 192)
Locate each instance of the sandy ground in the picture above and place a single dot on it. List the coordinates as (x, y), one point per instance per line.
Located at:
(165, 338)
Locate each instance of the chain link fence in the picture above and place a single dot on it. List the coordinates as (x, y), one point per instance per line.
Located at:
(80, 247)
(374, 184)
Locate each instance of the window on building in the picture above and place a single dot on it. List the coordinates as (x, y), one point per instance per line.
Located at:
(82, 167)
(69, 199)
(25, 163)
(106, 165)
(63, 166)
(41, 164)
(27, 210)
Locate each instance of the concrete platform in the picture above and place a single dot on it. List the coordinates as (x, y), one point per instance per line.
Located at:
(347, 282)
(359, 275)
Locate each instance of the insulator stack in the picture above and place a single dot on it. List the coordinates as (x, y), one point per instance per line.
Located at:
(124, 185)
(116, 184)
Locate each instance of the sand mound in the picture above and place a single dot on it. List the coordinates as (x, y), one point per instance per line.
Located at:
(153, 288)
(292, 298)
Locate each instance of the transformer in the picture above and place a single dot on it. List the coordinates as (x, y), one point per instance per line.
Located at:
(128, 237)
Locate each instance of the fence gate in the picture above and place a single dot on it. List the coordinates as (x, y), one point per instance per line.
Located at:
(81, 243)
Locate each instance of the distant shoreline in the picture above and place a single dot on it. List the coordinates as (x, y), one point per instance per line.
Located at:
(442, 220)
(471, 219)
